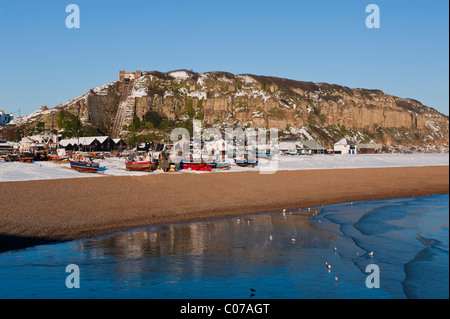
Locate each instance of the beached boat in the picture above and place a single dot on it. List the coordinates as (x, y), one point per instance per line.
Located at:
(134, 162)
(197, 166)
(83, 164)
(26, 157)
(222, 165)
(59, 156)
(246, 163)
(12, 158)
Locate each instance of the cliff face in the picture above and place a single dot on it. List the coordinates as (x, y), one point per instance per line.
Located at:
(298, 109)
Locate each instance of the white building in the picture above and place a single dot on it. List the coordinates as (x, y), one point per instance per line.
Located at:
(5, 118)
(345, 146)
(41, 141)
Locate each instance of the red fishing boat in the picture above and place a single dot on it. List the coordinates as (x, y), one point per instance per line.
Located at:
(135, 162)
(197, 166)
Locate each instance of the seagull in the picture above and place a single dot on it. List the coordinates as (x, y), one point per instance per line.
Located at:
(371, 254)
(336, 279)
(270, 237)
(293, 240)
(357, 254)
(284, 210)
(335, 249)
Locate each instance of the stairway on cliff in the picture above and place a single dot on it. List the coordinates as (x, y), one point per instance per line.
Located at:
(124, 110)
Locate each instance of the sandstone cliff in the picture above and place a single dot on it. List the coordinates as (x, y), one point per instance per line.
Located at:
(300, 110)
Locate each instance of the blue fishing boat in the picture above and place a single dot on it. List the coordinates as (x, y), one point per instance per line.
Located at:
(83, 164)
(222, 165)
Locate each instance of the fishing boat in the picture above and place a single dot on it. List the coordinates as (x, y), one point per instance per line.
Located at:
(135, 162)
(60, 155)
(83, 164)
(246, 163)
(26, 157)
(12, 157)
(197, 166)
(222, 165)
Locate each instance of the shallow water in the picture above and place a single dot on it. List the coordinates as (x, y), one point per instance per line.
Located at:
(227, 258)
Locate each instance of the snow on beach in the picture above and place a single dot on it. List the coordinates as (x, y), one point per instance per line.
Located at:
(15, 171)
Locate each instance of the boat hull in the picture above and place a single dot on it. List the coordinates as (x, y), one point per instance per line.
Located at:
(197, 166)
(139, 166)
(59, 158)
(84, 167)
(26, 158)
(224, 166)
(247, 164)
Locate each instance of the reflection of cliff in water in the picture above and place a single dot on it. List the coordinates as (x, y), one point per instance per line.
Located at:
(169, 253)
(246, 236)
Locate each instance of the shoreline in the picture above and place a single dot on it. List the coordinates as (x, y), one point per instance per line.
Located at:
(46, 211)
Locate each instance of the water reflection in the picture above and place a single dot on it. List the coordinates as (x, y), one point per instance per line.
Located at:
(189, 248)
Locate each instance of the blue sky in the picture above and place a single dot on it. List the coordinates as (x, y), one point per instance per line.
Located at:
(44, 63)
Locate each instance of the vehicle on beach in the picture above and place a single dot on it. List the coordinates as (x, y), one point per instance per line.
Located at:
(83, 164)
(139, 162)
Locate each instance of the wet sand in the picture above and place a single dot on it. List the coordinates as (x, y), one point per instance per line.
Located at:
(37, 212)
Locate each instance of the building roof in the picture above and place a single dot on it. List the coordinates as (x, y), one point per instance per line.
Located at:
(312, 145)
(369, 145)
(344, 141)
(83, 140)
(290, 145)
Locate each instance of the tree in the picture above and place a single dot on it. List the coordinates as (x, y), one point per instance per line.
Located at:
(70, 125)
(38, 129)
